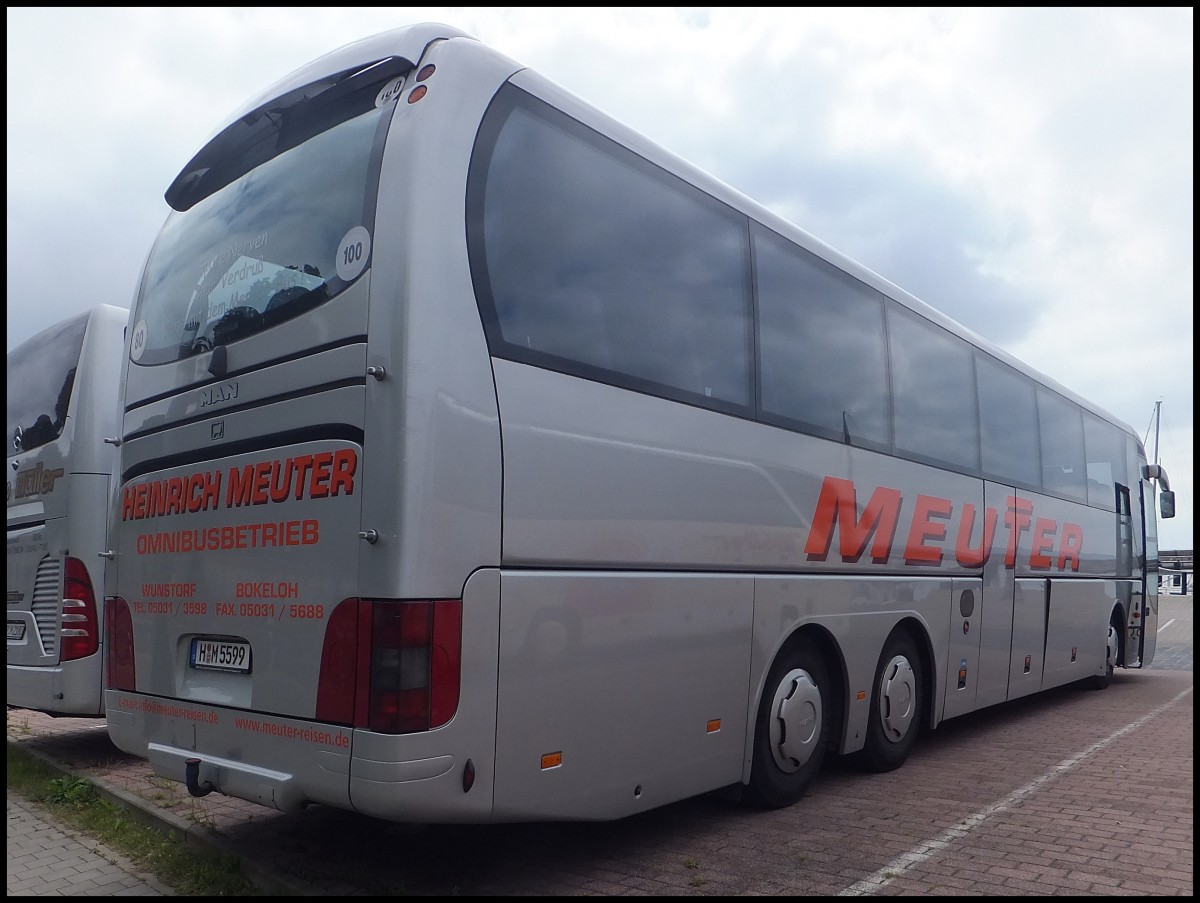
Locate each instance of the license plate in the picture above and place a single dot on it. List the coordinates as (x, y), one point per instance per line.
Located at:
(16, 630)
(221, 655)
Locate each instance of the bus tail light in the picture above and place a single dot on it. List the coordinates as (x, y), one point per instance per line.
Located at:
(391, 667)
(118, 645)
(80, 632)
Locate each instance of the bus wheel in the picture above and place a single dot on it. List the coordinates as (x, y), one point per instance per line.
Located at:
(1112, 652)
(896, 706)
(791, 734)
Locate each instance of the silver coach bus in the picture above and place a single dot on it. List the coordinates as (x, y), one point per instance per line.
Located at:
(483, 461)
(62, 407)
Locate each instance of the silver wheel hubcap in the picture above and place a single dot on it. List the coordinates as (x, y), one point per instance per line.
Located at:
(796, 725)
(897, 698)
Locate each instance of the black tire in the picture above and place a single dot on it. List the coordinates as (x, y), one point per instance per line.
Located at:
(791, 734)
(897, 706)
(1112, 652)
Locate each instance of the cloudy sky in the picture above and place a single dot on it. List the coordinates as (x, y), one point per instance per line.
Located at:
(1028, 171)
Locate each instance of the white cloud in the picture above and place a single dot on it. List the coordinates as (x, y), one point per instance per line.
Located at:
(1026, 169)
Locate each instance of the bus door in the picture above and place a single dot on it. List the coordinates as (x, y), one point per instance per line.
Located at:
(1142, 627)
(962, 663)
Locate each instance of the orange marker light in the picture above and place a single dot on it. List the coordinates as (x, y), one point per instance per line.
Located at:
(551, 760)
(417, 93)
(714, 725)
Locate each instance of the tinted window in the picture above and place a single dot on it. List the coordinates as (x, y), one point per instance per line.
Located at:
(1144, 503)
(1104, 446)
(41, 375)
(821, 345)
(1127, 542)
(590, 260)
(288, 228)
(1007, 424)
(933, 393)
(1061, 428)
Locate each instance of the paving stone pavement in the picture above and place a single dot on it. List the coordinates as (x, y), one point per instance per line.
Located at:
(1039, 812)
(48, 859)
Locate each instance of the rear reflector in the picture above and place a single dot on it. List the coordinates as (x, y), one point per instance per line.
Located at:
(80, 634)
(120, 673)
(339, 663)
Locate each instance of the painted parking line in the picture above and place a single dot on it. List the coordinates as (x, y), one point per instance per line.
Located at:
(924, 851)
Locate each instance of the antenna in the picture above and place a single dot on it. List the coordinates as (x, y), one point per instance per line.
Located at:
(1157, 419)
(1154, 419)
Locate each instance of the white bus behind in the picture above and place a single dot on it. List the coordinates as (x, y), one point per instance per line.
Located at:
(63, 392)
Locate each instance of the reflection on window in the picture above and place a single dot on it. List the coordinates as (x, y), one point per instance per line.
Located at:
(821, 345)
(589, 260)
(1008, 424)
(1105, 448)
(595, 258)
(1061, 427)
(262, 249)
(934, 412)
(41, 377)
(1125, 532)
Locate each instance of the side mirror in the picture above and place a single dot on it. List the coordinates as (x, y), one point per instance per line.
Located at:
(1156, 472)
(1166, 503)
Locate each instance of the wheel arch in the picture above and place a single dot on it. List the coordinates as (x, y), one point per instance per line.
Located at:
(810, 639)
(918, 632)
(835, 665)
(1119, 619)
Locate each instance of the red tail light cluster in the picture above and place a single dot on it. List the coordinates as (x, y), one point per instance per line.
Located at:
(391, 667)
(80, 633)
(118, 645)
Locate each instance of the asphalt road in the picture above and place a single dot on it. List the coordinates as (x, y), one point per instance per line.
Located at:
(1067, 793)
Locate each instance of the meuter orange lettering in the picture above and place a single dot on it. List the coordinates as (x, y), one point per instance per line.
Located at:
(922, 529)
(1043, 543)
(929, 529)
(838, 504)
(313, 476)
(977, 556)
(1016, 518)
(1072, 545)
(345, 463)
(303, 463)
(318, 483)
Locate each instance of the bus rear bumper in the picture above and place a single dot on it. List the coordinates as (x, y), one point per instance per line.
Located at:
(274, 789)
(72, 689)
(216, 749)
